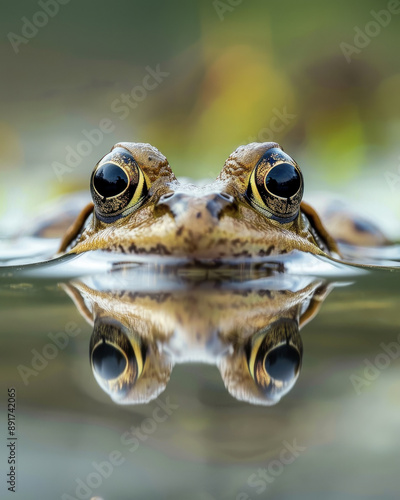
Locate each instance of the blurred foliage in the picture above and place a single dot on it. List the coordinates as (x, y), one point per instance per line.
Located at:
(228, 81)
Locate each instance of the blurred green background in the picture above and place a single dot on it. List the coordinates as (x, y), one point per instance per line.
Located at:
(232, 72)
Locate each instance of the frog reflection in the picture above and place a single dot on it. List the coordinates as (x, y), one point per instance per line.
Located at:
(251, 335)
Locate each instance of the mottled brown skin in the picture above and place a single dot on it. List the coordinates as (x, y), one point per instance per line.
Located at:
(209, 223)
(232, 329)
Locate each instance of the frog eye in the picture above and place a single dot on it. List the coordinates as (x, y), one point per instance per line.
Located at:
(116, 357)
(110, 180)
(274, 357)
(109, 361)
(276, 186)
(117, 185)
(282, 363)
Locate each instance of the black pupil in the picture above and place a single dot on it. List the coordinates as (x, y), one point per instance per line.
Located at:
(283, 180)
(110, 180)
(282, 363)
(108, 362)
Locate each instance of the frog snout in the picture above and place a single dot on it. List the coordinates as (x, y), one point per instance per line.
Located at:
(208, 206)
(217, 202)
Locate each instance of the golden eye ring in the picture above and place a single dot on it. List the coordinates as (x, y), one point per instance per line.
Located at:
(117, 357)
(110, 169)
(109, 361)
(276, 186)
(117, 185)
(274, 356)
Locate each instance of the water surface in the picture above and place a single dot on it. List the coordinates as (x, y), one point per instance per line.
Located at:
(189, 431)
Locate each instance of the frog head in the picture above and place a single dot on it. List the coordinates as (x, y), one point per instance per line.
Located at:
(253, 209)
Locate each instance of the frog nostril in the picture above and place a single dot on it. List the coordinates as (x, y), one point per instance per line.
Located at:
(227, 197)
(165, 197)
(180, 204)
(177, 203)
(218, 202)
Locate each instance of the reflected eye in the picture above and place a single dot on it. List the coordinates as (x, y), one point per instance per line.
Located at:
(282, 363)
(117, 357)
(108, 361)
(117, 186)
(276, 186)
(274, 357)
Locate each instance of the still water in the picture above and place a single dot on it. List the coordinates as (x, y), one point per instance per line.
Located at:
(169, 383)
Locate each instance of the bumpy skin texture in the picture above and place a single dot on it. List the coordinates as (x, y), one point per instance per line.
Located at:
(215, 222)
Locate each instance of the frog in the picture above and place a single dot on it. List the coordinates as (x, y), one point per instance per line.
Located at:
(249, 330)
(253, 209)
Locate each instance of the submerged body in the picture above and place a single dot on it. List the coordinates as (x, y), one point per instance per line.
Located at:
(253, 209)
